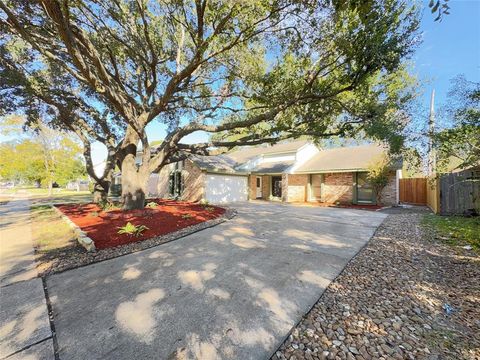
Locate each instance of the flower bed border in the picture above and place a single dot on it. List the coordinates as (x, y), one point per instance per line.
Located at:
(82, 237)
(93, 256)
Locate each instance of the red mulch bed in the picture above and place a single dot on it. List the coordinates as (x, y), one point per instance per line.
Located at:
(352, 206)
(164, 219)
(347, 206)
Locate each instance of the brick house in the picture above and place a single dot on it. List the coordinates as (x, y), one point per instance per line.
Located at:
(296, 171)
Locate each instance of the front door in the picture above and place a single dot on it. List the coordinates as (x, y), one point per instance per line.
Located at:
(316, 182)
(277, 186)
(259, 187)
(364, 189)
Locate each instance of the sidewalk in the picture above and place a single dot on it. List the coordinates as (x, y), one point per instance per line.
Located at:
(24, 325)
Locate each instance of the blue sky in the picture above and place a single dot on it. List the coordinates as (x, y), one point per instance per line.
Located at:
(449, 48)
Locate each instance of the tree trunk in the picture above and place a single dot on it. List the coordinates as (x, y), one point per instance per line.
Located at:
(134, 185)
(100, 192)
(50, 187)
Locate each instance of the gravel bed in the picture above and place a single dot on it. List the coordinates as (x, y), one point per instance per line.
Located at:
(389, 301)
(77, 256)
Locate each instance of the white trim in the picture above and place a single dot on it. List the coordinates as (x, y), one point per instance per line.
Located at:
(398, 176)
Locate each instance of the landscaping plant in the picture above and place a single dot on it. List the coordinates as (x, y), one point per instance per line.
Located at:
(132, 230)
(108, 205)
(378, 173)
(151, 205)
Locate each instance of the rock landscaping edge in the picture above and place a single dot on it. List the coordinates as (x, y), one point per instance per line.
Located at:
(391, 301)
(75, 258)
(82, 237)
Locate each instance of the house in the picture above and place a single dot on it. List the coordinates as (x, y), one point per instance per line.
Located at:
(296, 171)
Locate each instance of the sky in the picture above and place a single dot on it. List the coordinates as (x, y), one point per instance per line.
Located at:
(449, 48)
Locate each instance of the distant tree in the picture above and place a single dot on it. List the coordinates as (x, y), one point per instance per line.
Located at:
(49, 97)
(46, 156)
(21, 162)
(249, 71)
(459, 142)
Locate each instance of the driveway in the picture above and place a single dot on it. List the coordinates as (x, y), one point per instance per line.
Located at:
(231, 291)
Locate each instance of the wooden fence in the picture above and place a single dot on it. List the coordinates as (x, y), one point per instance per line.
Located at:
(433, 194)
(459, 192)
(413, 191)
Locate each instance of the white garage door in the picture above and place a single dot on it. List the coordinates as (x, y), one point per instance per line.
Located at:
(226, 188)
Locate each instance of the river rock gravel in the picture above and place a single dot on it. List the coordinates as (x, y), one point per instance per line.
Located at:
(392, 299)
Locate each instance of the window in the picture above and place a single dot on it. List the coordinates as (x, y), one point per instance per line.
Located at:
(175, 183)
(258, 182)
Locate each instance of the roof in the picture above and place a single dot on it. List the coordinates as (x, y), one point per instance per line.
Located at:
(272, 167)
(246, 153)
(214, 163)
(343, 159)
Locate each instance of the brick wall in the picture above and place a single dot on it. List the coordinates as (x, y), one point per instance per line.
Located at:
(266, 184)
(162, 187)
(252, 187)
(296, 189)
(193, 181)
(338, 187)
(389, 193)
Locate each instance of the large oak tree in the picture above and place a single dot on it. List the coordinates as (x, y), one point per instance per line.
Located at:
(248, 72)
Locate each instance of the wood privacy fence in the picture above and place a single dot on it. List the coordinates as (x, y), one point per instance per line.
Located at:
(413, 191)
(433, 194)
(459, 192)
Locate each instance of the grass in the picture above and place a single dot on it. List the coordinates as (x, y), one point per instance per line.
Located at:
(455, 230)
(50, 232)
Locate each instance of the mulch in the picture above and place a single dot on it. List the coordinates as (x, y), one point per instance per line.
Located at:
(169, 216)
(346, 206)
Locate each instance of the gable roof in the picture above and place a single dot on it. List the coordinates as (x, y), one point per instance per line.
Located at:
(246, 153)
(343, 159)
(276, 167)
(221, 163)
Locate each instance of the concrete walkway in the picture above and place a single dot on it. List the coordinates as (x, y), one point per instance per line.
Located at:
(233, 291)
(24, 325)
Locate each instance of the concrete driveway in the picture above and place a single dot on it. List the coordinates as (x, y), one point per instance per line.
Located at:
(232, 291)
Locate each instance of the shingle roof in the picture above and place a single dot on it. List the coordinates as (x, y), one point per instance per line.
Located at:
(343, 159)
(214, 163)
(246, 153)
(272, 167)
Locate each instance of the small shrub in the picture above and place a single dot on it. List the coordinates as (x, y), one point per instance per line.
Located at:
(151, 205)
(187, 216)
(107, 206)
(204, 202)
(94, 213)
(132, 230)
(210, 208)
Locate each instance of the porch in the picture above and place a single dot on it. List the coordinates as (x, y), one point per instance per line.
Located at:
(267, 187)
(325, 188)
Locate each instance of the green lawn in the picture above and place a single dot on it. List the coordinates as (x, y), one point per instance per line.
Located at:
(50, 231)
(455, 230)
(52, 236)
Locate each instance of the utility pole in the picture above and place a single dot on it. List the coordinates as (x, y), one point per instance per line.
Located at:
(431, 133)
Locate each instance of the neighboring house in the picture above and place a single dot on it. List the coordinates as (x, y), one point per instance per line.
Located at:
(291, 172)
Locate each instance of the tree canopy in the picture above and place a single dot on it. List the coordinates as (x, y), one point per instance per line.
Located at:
(459, 142)
(249, 72)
